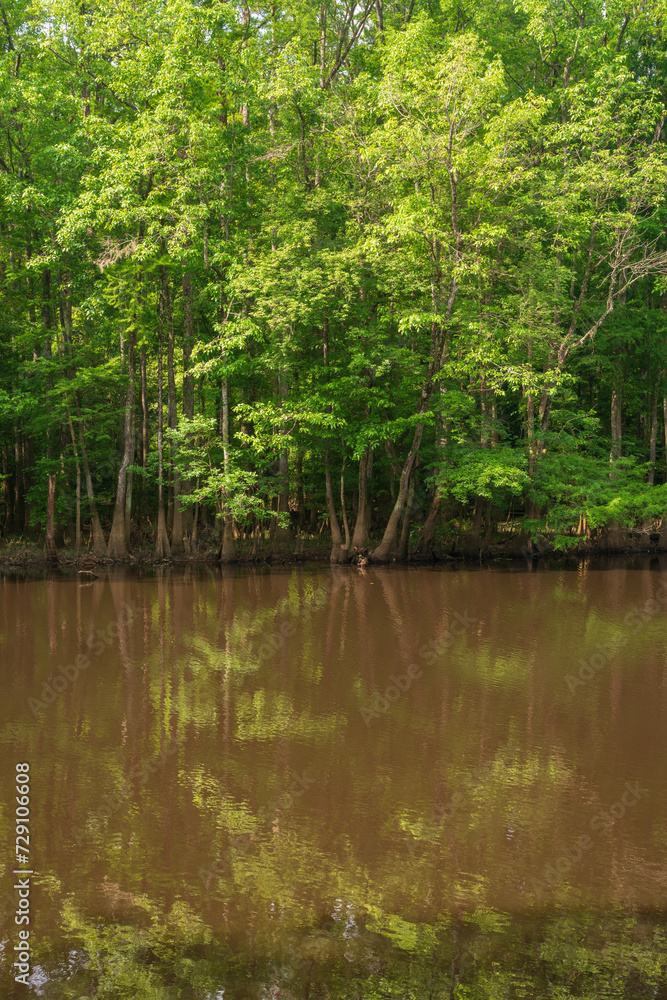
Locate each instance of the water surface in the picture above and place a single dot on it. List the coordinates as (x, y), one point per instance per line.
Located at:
(334, 783)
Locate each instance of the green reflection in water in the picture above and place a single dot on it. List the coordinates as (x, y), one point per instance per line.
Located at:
(362, 953)
(214, 812)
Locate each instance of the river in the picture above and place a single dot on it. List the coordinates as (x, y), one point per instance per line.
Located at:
(328, 782)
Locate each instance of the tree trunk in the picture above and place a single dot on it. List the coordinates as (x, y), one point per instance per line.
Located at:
(49, 541)
(486, 418)
(117, 547)
(471, 545)
(614, 535)
(65, 314)
(99, 544)
(6, 493)
(337, 552)
(195, 521)
(19, 491)
(227, 550)
(369, 502)
(128, 502)
(188, 381)
(530, 433)
(402, 554)
(282, 536)
(383, 551)
(379, 8)
(172, 422)
(245, 18)
(77, 530)
(28, 454)
(425, 545)
(170, 492)
(615, 453)
(144, 421)
(488, 518)
(654, 437)
(301, 492)
(50, 535)
(162, 548)
(283, 497)
(77, 519)
(438, 349)
(346, 548)
(360, 537)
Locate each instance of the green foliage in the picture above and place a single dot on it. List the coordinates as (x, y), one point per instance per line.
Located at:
(380, 227)
(498, 475)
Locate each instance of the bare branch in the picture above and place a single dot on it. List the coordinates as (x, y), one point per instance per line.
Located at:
(10, 43)
(342, 53)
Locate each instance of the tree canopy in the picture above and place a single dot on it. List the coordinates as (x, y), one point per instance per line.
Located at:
(394, 268)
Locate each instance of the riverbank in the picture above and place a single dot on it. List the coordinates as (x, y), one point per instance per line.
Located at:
(516, 545)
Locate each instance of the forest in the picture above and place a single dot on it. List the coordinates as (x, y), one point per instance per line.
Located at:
(385, 279)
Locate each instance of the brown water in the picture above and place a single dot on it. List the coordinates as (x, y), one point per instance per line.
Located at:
(316, 782)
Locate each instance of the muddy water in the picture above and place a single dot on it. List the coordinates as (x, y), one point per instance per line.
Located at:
(317, 783)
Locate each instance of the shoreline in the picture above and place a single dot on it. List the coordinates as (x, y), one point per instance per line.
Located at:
(26, 555)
